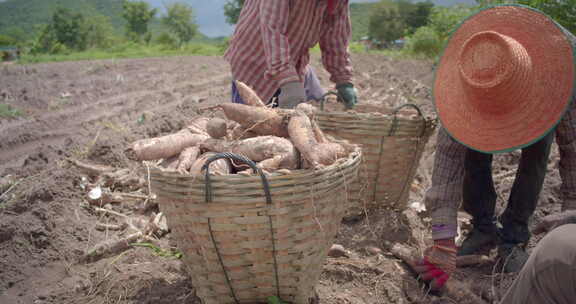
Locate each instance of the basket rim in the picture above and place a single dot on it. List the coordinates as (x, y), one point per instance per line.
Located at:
(353, 156)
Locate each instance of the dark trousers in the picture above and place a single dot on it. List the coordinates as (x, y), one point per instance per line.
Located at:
(479, 195)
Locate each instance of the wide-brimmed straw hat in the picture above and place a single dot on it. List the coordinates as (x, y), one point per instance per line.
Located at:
(505, 79)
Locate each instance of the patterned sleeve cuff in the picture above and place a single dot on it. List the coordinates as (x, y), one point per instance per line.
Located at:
(441, 231)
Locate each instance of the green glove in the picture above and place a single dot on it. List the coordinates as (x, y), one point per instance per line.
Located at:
(348, 93)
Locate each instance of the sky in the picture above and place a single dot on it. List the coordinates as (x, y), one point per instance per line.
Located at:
(212, 23)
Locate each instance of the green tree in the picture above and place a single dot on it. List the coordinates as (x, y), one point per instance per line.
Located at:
(48, 42)
(444, 20)
(167, 41)
(232, 9)
(138, 15)
(180, 20)
(393, 19)
(99, 32)
(68, 28)
(386, 23)
(65, 31)
(418, 15)
(425, 41)
(6, 40)
(562, 11)
(430, 39)
(16, 33)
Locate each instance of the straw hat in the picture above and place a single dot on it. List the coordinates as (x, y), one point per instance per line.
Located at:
(505, 78)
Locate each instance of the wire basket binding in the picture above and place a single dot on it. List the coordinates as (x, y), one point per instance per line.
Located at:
(392, 146)
(246, 238)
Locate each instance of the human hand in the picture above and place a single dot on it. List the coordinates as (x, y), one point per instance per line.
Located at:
(348, 93)
(552, 221)
(438, 264)
(291, 94)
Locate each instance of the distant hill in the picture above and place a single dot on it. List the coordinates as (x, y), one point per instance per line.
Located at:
(28, 15)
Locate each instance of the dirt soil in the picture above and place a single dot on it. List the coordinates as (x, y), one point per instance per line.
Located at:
(92, 110)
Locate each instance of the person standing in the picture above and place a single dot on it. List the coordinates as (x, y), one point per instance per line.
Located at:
(269, 50)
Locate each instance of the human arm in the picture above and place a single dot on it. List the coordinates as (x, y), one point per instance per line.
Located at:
(442, 199)
(334, 41)
(445, 194)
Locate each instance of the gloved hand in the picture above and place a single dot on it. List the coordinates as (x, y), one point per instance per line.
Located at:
(291, 94)
(348, 93)
(438, 264)
(552, 221)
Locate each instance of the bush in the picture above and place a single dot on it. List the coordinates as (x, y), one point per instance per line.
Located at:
(224, 44)
(425, 41)
(444, 20)
(8, 111)
(203, 49)
(123, 47)
(167, 41)
(7, 40)
(357, 47)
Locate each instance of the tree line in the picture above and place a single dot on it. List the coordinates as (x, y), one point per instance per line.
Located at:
(70, 30)
(422, 26)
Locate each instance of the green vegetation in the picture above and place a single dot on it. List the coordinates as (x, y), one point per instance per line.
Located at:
(99, 29)
(392, 20)
(360, 19)
(7, 111)
(128, 50)
(138, 15)
(159, 251)
(232, 10)
(25, 20)
(563, 11)
(179, 20)
(428, 41)
(275, 300)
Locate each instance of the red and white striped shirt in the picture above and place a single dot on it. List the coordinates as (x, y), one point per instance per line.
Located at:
(271, 42)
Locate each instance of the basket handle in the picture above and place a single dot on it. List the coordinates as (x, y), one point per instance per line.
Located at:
(323, 99)
(394, 125)
(239, 158)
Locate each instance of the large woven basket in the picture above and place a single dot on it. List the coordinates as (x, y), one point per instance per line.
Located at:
(392, 146)
(247, 238)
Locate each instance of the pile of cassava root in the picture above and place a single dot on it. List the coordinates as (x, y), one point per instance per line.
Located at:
(276, 139)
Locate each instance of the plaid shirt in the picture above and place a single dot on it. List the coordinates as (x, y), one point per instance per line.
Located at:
(444, 196)
(271, 41)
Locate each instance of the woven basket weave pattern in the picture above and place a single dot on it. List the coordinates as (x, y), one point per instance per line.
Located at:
(233, 231)
(391, 149)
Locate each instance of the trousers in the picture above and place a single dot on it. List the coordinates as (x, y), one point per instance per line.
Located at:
(479, 195)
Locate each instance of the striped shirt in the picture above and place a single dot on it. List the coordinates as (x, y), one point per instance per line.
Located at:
(271, 42)
(444, 196)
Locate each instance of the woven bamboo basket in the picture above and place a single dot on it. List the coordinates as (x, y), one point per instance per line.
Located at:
(246, 238)
(392, 146)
